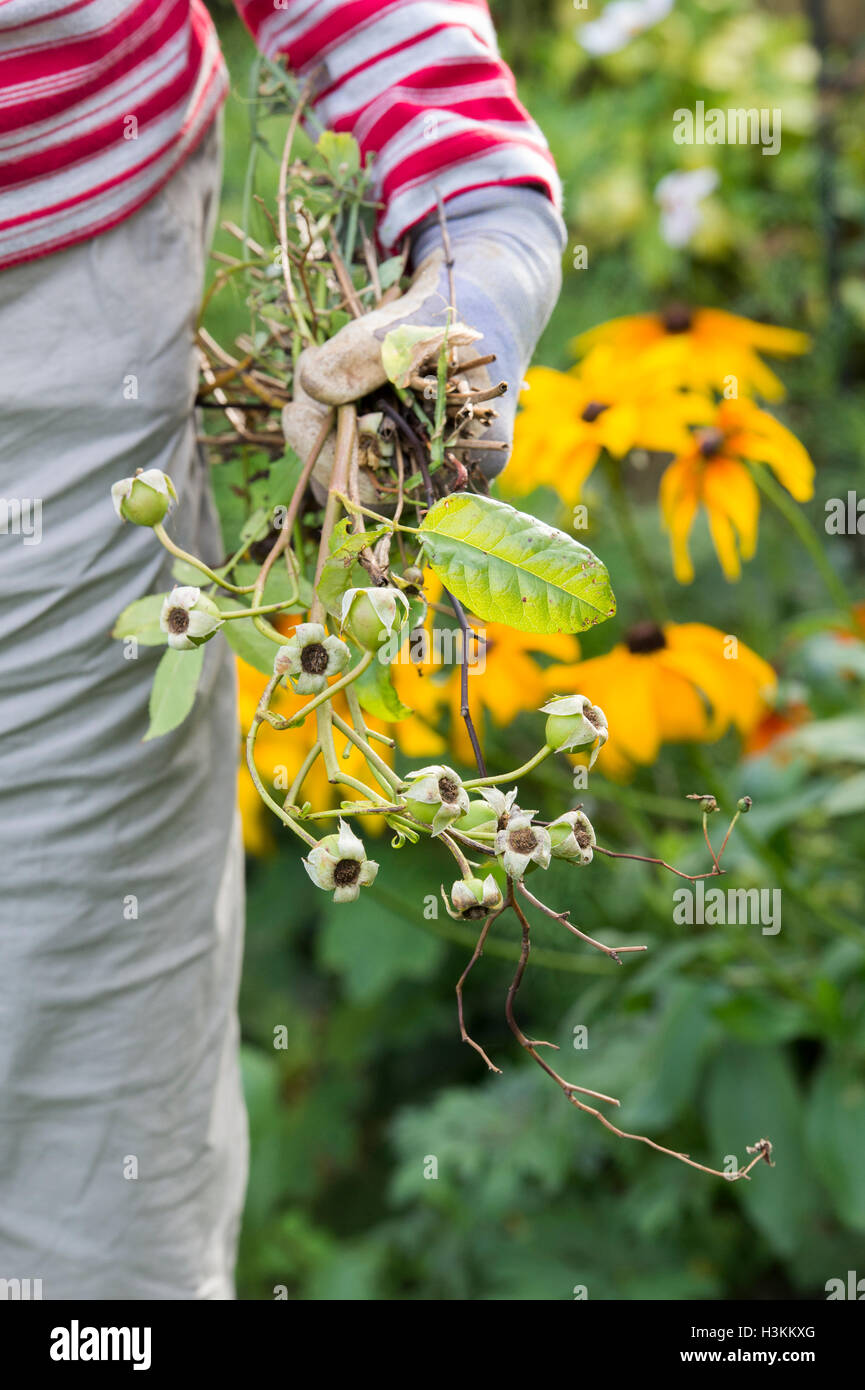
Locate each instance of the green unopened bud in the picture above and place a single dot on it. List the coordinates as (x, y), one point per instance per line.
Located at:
(370, 616)
(575, 723)
(708, 804)
(744, 804)
(145, 499)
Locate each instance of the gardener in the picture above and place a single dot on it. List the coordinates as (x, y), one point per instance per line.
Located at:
(122, 1128)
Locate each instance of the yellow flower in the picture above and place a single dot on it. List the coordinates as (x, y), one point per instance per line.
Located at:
(506, 682)
(712, 472)
(702, 347)
(607, 403)
(685, 682)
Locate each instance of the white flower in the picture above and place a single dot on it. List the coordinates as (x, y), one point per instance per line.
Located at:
(679, 196)
(144, 499)
(575, 723)
(189, 617)
(337, 864)
(503, 804)
(572, 837)
(522, 843)
(438, 787)
(309, 657)
(621, 21)
(472, 898)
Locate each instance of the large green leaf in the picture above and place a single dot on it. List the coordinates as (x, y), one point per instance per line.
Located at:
(511, 568)
(752, 1094)
(174, 687)
(836, 1138)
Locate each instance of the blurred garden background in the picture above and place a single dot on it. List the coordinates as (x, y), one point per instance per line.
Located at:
(355, 1074)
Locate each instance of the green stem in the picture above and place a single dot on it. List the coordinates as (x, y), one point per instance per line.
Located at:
(305, 767)
(510, 776)
(295, 720)
(797, 519)
(262, 791)
(631, 532)
(180, 554)
(377, 766)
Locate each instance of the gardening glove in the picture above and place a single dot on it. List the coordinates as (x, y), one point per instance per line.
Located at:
(506, 243)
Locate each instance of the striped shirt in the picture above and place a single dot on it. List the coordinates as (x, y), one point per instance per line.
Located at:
(101, 100)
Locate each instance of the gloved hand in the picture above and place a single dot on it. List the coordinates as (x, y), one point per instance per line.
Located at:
(506, 243)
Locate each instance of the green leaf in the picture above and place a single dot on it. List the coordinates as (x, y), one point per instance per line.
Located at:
(377, 695)
(508, 567)
(256, 527)
(752, 1094)
(174, 687)
(339, 570)
(404, 349)
(141, 621)
(277, 488)
(184, 573)
(244, 638)
(340, 152)
(372, 947)
(836, 1138)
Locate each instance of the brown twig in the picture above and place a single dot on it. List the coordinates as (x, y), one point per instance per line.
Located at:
(478, 952)
(611, 951)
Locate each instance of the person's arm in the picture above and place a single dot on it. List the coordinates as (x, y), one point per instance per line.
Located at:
(421, 86)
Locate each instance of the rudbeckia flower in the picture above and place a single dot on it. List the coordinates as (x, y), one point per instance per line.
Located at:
(712, 471)
(680, 683)
(702, 347)
(606, 402)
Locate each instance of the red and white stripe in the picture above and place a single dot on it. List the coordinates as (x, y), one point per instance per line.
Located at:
(418, 82)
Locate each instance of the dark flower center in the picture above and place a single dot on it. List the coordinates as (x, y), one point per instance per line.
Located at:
(313, 659)
(677, 318)
(645, 637)
(592, 411)
(178, 620)
(524, 841)
(593, 715)
(448, 790)
(472, 914)
(583, 839)
(710, 442)
(346, 872)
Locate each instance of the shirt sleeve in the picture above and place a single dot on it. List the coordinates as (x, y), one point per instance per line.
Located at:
(421, 86)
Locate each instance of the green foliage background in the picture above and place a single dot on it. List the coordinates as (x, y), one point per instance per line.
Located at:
(717, 1036)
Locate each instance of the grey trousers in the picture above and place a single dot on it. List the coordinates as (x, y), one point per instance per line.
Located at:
(122, 1126)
